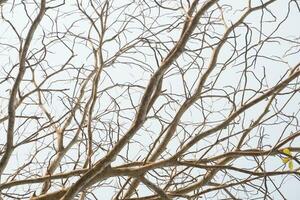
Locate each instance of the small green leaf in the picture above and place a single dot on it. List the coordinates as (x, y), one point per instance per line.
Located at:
(291, 165)
(285, 160)
(287, 151)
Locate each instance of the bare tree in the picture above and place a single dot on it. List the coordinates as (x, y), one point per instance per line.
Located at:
(158, 99)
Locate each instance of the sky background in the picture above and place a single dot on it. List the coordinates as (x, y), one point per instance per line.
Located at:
(137, 66)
